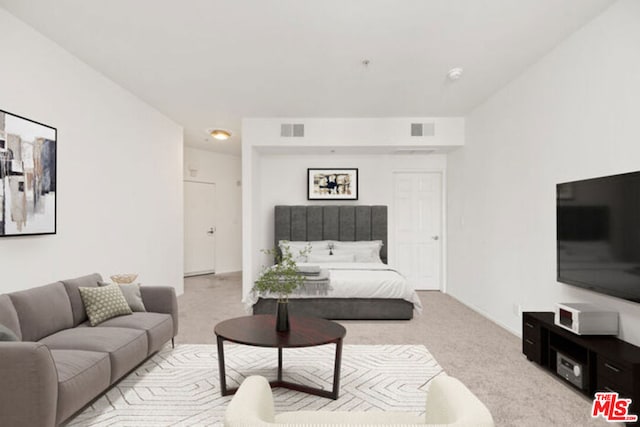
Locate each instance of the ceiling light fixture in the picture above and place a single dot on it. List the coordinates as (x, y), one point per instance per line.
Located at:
(455, 73)
(220, 134)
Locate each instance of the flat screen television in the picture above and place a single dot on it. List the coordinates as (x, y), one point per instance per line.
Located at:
(598, 234)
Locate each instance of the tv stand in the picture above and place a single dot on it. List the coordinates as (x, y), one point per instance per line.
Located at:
(608, 363)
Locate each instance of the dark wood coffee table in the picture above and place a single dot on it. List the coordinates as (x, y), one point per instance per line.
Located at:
(260, 331)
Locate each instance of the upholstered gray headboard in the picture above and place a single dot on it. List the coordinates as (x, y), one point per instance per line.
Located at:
(330, 222)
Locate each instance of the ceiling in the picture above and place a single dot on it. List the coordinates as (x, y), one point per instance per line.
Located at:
(209, 63)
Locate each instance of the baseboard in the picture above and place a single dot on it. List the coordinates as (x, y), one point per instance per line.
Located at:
(199, 273)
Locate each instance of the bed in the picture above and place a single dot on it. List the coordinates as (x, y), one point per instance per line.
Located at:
(358, 290)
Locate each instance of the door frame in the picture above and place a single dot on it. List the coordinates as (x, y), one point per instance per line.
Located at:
(443, 223)
(215, 246)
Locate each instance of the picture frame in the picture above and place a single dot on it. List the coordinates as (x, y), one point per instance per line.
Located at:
(332, 184)
(28, 176)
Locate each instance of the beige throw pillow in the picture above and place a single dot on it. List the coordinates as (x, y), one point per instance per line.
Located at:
(103, 303)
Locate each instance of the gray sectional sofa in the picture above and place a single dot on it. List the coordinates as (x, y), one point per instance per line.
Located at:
(62, 363)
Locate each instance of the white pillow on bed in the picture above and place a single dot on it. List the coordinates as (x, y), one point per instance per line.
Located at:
(361, 255)
(363, 251)
(315, 247)
(361, 244)
(346, 257)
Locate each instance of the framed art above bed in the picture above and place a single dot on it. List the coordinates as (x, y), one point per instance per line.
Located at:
(332, 184)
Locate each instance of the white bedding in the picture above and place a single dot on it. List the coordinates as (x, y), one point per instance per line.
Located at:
(359, 280)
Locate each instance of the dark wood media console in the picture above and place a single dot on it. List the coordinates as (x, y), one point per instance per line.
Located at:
(608, 364)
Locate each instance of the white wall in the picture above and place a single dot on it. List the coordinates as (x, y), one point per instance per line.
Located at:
(571, 116)
(119, 170)
(226, 172)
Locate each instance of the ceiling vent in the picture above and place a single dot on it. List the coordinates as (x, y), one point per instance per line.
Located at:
(423, 129)
(289, 130)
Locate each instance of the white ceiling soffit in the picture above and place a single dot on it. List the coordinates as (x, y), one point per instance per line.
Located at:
(354, 150)
(209, 63)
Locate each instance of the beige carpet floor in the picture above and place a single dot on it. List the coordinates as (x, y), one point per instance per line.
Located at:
(486, 357)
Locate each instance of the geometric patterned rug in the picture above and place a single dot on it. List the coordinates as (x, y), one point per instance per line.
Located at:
(180, 387)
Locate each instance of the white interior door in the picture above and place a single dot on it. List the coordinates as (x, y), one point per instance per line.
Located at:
(418, 227)
(199, 228)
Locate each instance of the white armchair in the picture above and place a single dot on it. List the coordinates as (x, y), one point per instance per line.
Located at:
(449, 403)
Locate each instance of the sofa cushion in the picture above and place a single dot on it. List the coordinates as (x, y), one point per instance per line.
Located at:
(42, 311)
(81, 375)
(72, 285)
(8, 315)
(159, 327)
(126, 347)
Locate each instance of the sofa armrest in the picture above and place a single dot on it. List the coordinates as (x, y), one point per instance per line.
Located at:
(252, 405)
(28, 385)
(450, 402)
(161, 299)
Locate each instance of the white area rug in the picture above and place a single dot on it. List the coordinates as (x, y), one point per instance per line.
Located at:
(180, 387)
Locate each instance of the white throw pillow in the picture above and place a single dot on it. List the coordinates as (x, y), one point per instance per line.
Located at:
(361, 244)
(363, 251)
(331, 258)
(361, 255)
(314, 247)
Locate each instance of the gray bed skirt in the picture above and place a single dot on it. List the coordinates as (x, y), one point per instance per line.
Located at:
(342, 308)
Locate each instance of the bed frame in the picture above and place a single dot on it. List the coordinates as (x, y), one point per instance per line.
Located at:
(345, 223)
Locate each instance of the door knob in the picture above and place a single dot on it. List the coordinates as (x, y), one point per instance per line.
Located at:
(435, 237)
(211, 230)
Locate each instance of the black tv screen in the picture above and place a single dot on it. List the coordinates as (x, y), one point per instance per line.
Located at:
(598, 234)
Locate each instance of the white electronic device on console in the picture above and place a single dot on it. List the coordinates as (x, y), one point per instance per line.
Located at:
(586, 319)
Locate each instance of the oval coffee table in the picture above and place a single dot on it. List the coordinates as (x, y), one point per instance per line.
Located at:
(260, 331)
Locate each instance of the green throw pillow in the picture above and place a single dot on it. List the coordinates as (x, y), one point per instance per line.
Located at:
(103, 303)
(132, 294)
(7, 334)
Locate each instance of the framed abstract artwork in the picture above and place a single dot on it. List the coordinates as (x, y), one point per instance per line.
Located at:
(332, 184)
(27, 176)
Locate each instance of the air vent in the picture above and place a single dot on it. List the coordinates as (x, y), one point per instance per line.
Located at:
(286, 130)
(289, 130)
(423, 129)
